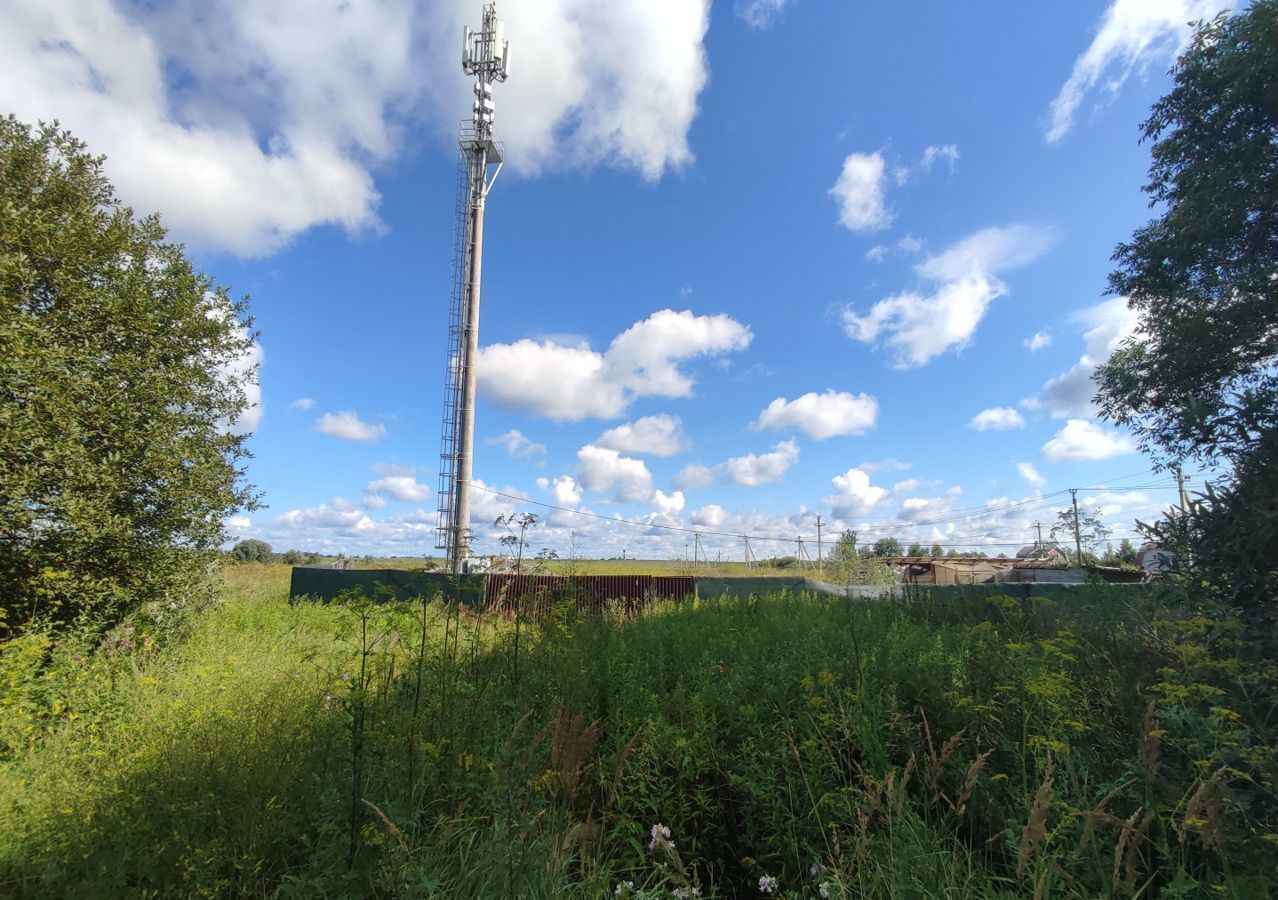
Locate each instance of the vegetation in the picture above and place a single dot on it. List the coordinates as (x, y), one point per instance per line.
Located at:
(1200, 381)
(252, 551)
(121, 369)
(985, 747)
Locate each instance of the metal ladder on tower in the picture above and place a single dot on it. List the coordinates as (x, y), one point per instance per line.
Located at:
(446, 527)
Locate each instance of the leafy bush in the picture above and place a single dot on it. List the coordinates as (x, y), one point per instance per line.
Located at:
(121, 370)
(251, 550)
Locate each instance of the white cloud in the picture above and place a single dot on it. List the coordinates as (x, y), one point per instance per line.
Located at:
(1030, 474)
(877, 253)
(752, 470)
(348, 426)
(601, 469)
(565, 489)
(516, 445)
(339, 515)
(712, 515)
(667, 506)
(1038, 340)
(302, 403)
(694, 476)
(920, 326)
(568, 384)
(859, 192)
(1080, 439)
(854, 495)
(1132, 34)
(1069, 394)
(760, 13)
(998, 418)
(658, 435)
(947, 152)
(374, 501)
(401, 487)
(279, 113)
(821, 416)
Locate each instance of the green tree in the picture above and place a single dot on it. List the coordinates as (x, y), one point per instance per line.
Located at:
(1091, 530)
(937, 550)
(843, 555)
(888, 546)
(253, 550)
(914, 550)
(120, 369)
(1199, 380)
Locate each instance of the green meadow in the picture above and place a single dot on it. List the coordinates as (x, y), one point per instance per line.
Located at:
(801, 745)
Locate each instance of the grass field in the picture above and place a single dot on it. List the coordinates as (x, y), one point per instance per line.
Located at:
(907, 749)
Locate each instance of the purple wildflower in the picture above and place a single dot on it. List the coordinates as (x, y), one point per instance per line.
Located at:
(767, 884)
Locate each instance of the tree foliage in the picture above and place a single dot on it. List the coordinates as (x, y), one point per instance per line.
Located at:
(253, 550)
(888, 546)
(120, 369)
(1200, 378)
(1091, 530)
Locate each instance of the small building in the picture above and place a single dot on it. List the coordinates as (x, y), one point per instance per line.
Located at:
(954, 571)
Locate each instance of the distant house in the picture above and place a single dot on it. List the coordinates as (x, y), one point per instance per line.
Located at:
(1154, 560)
(1050, 552)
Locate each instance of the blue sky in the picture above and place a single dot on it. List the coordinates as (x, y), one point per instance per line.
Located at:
(746, 264)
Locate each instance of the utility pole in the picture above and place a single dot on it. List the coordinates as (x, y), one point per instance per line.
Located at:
(484, 54)
(1038, 545)
(1078, 539)
(1180, 491)
(820, 567)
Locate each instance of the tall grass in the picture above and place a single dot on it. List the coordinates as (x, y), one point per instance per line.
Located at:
(993, 748)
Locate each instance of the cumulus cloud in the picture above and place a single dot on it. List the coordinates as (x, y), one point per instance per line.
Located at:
(1070, 393)
(1038, 340)
(568, 384)
(1080, 439)
(752, 469)
(854, 495)
(1030, 474)
(919, 326)
(339, 515)
(760, 13)
(401, 487)
(1132, 35)
(821, 416)
(516, 445)
(667, 506)
(302, 403)
(247, 124)
(602, 470)
(712, 515)
(658, 435)
(860, 193)
(565, 489)
(349, 427)
(998, 418)
(695, 476)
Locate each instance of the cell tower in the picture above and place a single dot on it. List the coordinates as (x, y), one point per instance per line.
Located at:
(485, 54)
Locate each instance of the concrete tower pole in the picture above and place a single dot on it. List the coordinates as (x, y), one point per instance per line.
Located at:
(470, 358)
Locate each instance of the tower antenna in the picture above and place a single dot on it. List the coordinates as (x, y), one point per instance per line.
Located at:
(485, 55)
